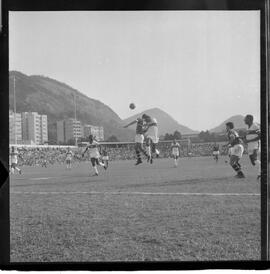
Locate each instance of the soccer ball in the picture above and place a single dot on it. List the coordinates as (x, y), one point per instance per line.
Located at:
(132, 106)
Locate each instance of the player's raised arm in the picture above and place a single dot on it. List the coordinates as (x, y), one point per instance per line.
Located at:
(131, 123)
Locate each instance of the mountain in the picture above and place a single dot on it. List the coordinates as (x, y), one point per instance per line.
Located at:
(166, 124)
(55, 99)
(238, 121)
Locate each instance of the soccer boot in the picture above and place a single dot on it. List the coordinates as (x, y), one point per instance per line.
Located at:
(95, 174)
(139, 161)
(240, 175)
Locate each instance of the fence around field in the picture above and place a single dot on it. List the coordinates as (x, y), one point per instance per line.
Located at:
(35, 155)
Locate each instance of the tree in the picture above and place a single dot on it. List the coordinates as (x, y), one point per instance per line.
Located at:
(177, 135)
(112, 138)
(168, 137)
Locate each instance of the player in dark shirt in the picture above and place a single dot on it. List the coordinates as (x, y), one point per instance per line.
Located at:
(236, 149)
(139, 138)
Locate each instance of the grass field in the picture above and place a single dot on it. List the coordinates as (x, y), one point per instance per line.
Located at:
(197, 211)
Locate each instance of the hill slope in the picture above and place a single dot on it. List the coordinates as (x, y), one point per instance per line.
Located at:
(238, 121)
(166, 123)
(55, 99)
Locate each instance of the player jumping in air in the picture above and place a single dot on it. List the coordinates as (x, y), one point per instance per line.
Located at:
(252, 139)
(236, 149)
(94, 154)
(139, 138)
(14, 161)
(216, 152)
(151, 136)
(175, 149)
(69, 156)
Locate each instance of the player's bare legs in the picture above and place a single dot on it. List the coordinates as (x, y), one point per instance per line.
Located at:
(234, 162)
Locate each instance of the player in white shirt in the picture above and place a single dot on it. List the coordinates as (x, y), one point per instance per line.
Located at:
(94, 154)
(14, 160)
(69, 156)
(175, 150)
(151, 136)
(252, 139)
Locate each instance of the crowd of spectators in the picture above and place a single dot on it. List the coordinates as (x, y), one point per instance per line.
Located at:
(57, 155)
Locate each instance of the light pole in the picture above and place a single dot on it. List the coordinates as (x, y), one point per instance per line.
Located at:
(14, 106)
(75, 115)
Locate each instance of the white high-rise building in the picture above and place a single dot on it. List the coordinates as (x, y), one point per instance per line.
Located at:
(96, 131)
(15, 128)
(68, 129)
(34, 127)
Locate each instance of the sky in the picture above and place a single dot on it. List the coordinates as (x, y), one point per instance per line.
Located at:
(201, 67)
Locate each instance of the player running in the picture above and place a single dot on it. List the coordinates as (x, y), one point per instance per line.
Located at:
(175, 150)
(94, 154)
(216, 152)
(139, 138)
(151, 136)
(252, 139)
(14, 160)
(69, 156)
(236, 149)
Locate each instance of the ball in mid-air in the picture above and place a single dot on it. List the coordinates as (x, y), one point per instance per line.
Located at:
(132, 106)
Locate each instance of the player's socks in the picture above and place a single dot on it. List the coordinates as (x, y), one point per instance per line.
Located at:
(138, 156)
(96, 170)
(148, 151)
(258, 164)
(100, 163)
(175, 163)
(18, 170)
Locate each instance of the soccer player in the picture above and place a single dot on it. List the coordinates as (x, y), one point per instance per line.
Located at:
(252, 139)
(236, 149)
(69, 156)
(94, 154)
(216, 152)
(14, 160)
(151, 136)
(139, 138)
(105, 157)
(175, 150)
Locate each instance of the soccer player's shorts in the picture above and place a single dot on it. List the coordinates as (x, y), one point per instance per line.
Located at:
(105, 158)
(68, 161)
(175, 154)
(237, 150)
(154, 139)
(14, 161)
(253, 146)
(94, 161)
(139, 138)
(215, 153)
(13, 165)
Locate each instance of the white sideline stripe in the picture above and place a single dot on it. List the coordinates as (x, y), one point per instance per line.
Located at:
(136, 193)
(40, 178)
